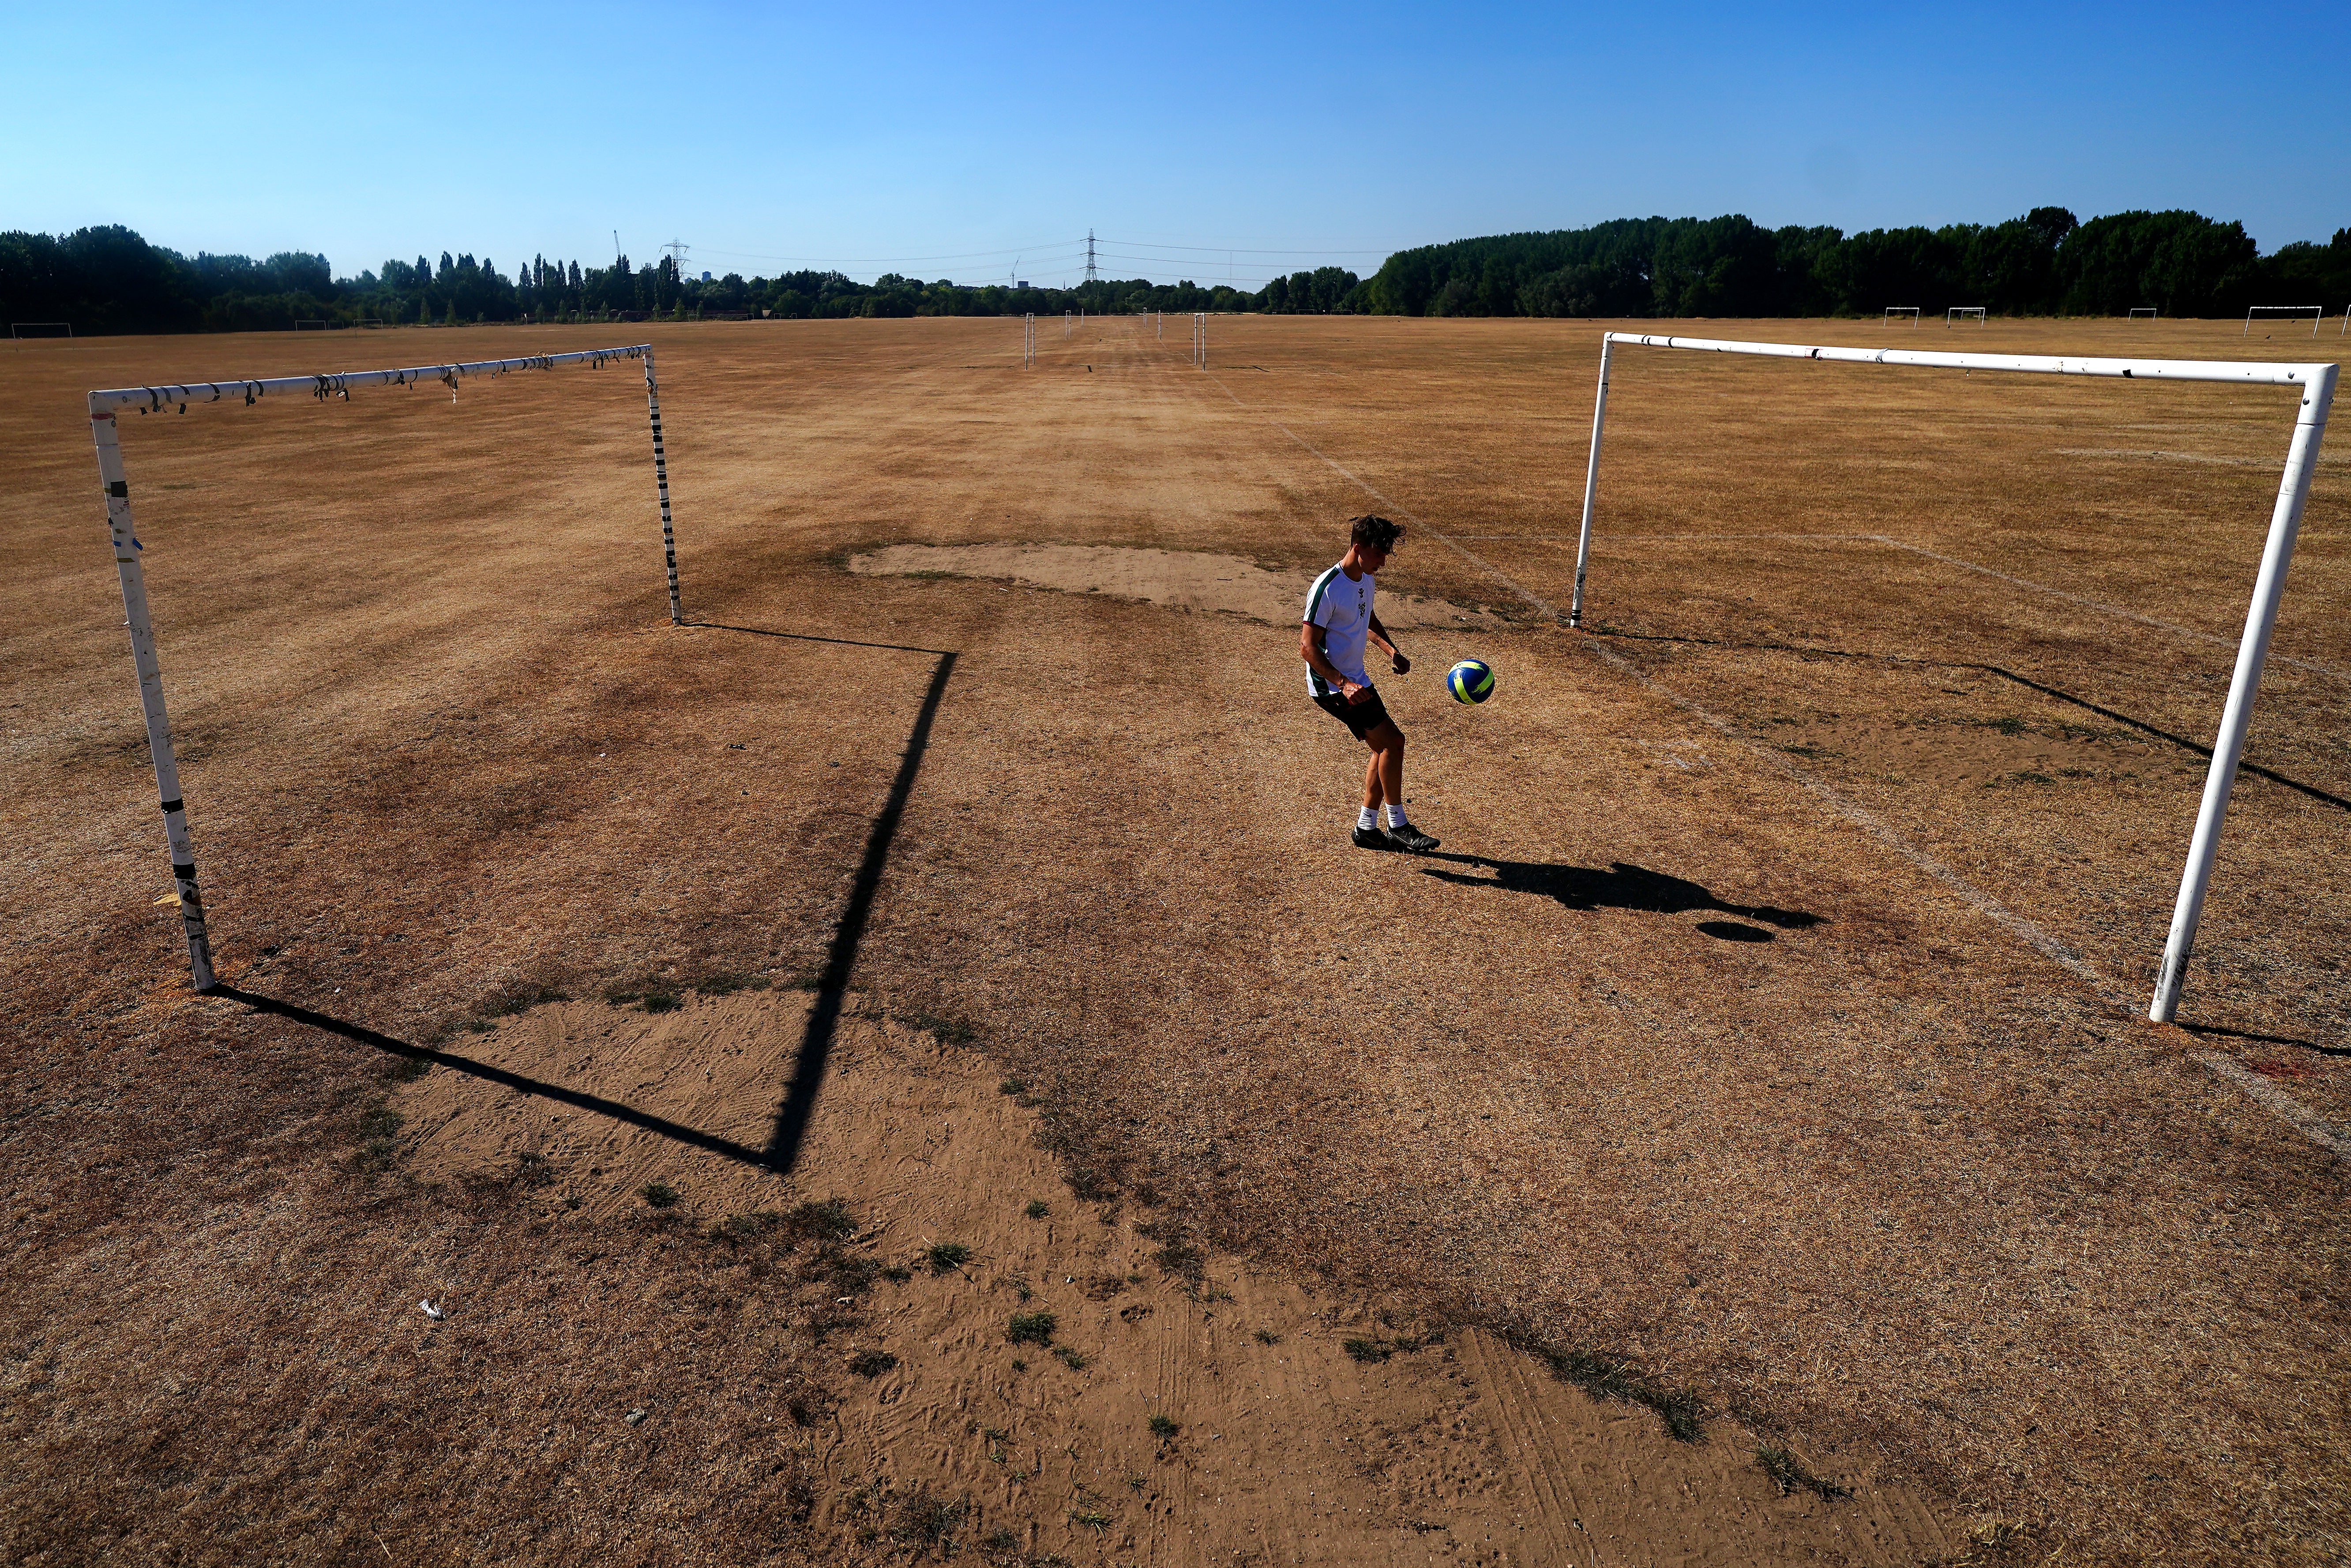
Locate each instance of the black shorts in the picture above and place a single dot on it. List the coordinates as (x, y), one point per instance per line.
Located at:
(1361, 718)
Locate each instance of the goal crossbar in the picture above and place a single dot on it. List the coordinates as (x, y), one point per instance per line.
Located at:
(105, 405)
(2316, 385)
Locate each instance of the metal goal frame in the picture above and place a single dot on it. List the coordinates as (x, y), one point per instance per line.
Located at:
(103, 408)
(2316, 385)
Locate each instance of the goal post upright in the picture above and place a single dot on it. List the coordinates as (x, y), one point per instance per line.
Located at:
(661, 485)
(2316, 383)
(151, 691)
(1590, 481)
(2244, 684)
(104, 407)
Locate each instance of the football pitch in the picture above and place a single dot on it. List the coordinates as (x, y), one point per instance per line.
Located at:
(1753, 1070)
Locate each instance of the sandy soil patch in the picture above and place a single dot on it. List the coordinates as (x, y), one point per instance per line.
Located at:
(1422, 1444)
(1180, 580)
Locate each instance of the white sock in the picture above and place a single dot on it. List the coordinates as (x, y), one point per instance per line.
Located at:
(1395, 816)
(1367, 819)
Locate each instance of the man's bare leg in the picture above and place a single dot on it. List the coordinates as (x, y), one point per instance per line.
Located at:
(1384, 780)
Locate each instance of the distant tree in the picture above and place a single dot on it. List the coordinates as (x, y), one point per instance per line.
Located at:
(2182, 263)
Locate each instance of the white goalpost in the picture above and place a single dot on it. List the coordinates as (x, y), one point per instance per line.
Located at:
(1953, 315)
(2317, 313)
(1027, 342)
(2315, 383)
(103, 408)
(2143, 313)
(40, 329)
(1894, 311)
(1200, 340)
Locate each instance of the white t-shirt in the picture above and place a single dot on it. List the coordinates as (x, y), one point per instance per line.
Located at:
(1342, 608)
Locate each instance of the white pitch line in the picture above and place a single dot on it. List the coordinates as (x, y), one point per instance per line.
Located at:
(2102, 608)
(2277, 1102)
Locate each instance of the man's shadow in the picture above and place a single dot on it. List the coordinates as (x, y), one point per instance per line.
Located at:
(1623, 886)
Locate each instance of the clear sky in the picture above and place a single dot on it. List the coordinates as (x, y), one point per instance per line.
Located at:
(945, 141)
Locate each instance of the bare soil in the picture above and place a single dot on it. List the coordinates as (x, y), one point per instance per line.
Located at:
(1756, 1053)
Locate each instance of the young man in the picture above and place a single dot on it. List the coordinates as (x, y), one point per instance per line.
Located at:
(1339, 618)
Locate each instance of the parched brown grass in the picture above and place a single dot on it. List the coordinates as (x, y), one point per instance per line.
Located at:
(1670, 1061)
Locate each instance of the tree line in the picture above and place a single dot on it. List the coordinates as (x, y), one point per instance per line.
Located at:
(2043, 264)
(110, 279)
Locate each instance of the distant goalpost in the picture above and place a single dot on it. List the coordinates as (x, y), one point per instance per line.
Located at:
(2143, 313)
(2316, 383)
(40, 329)
(103, 408)
(1894, 311)
(2317, 313)
(1956, 314)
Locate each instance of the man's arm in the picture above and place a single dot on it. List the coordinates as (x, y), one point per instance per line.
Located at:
(1380, 635)
(1310, 648)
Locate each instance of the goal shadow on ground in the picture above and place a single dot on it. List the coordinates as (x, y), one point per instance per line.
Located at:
(849, 932)
(797, 1102)
(1624, 887)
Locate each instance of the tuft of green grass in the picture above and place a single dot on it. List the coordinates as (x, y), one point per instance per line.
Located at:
(1371, 1351)
(897, 1273)
(848, 1273)
(521, 999)
(737, 1229)
(872, 1362)
(1177, 1254)
(531, 1170)
(1038, 1208)
(654, 996)
(1266, 1336)
(1013, 1086)
(658, 1195)
(1788, 1472)
(1019, 1365)
(955, 1031)
(1075, 1360)
(407, 1070)
(1032, 1328)
(924, 1519)
(726, 982)
(825, 1219)
(1163, 1427)
(947, 1257)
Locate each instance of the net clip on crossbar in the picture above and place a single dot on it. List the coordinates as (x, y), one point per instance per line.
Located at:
(2316, 385)
(104, 405)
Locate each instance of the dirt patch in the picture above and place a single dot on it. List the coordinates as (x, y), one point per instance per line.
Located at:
(1178, 580)
(1162, 1410)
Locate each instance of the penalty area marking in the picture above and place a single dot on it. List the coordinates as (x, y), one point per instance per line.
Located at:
(2259, 1090)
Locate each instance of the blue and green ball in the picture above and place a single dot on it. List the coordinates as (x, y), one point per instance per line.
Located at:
(1470, 681)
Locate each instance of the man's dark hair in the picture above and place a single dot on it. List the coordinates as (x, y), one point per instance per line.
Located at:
(1375, 532)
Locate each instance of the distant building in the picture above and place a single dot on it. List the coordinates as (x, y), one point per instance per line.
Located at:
(705, 275)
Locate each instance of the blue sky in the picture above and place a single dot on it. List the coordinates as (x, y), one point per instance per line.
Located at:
(945, 141)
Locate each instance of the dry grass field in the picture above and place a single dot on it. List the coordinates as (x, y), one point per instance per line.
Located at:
(1750, 1072)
